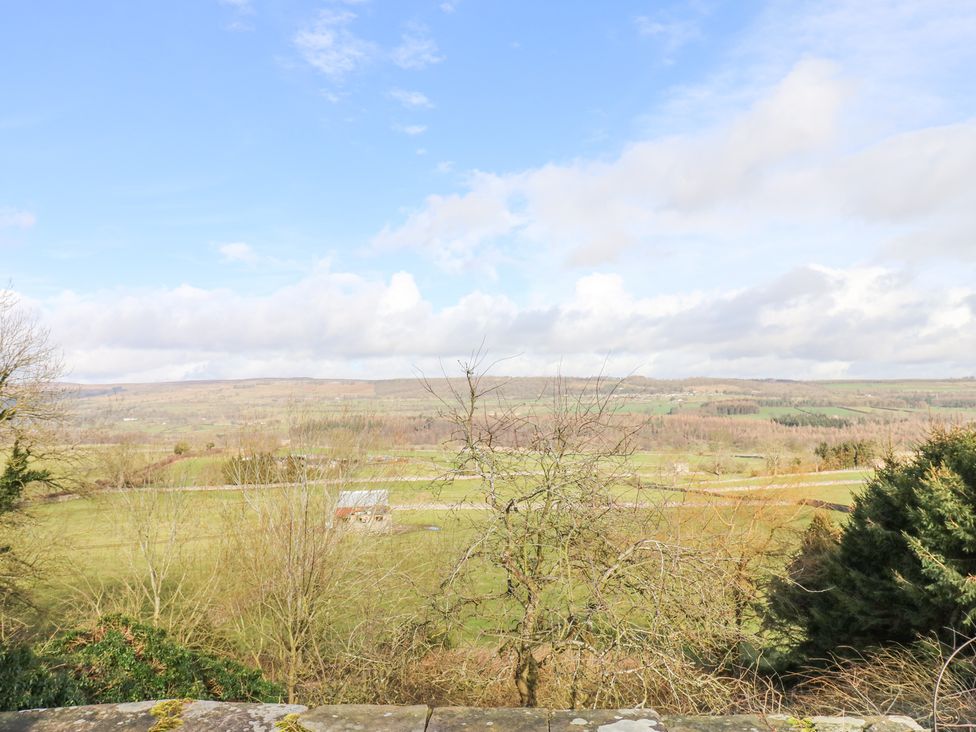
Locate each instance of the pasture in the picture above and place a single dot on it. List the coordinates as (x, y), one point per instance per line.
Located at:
(706, 448)
(208, 509)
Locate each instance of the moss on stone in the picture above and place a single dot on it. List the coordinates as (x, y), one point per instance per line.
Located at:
(168, 714)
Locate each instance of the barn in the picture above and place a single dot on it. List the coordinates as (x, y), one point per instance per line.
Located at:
(364, 510)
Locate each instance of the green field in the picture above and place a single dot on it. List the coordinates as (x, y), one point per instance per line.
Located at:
(93, 537)
(697, 468)
(150, 521)
(688, 453)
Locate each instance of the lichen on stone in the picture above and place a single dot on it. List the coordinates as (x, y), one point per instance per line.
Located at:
(168, 714)
(290, 723)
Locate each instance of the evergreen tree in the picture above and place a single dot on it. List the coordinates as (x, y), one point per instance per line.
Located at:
(17, 475)
(792, 597)
(903, 565)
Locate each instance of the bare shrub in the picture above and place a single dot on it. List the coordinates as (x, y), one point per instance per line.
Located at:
(584, 585)
(31, 415)
(124, 464)
(166, 578)
(32, 404)
(297, 586)
(896, 679)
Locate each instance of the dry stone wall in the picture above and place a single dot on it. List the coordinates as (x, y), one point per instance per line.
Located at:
(192, 716)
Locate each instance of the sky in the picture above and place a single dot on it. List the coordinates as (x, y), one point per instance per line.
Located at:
(205, 189)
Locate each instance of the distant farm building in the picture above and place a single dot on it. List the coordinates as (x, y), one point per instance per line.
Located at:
(364, 510)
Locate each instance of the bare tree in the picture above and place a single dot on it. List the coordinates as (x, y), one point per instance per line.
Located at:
(167, 576)
(576, 570)
(31, 409)
(550, 539)
(31, 400)
(293, 571)
(124, 464)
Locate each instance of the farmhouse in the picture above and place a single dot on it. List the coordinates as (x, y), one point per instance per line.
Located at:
(365, 510)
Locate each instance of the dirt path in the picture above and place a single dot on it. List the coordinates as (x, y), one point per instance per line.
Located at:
(708, 488)
(448, 507)
(617, 505)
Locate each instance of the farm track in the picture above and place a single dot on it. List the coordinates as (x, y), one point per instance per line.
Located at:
(450, 507)
(722, 481)
(709, 485)
(617, 505)
(709, 488)
(766, 486)
(687, 490)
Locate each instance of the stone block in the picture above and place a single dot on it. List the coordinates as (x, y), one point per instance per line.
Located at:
(783, 723)
(130, 717)
(893, 723)
(727, 723)
(365, 718)
(606, 720)
(232, 716)
(472, 719)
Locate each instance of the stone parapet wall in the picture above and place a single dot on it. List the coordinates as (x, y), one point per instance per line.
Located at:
(193, 716)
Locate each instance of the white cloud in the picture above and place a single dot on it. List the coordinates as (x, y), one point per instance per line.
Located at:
(912, 175)
(833, 132)
(591, 210)
(785, 163)
(330, 47)
(411, 99)
(811, 322)
(12, 218)
(238, 251)
(417, 50)
(453, 230)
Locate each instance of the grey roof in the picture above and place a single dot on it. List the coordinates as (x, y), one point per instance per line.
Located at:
(363, 499)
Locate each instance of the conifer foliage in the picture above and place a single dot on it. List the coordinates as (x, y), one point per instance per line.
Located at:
(904, 565)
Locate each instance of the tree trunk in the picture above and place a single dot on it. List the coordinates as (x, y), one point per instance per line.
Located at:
(526, 678)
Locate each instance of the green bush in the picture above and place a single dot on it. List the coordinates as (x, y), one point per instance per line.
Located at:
(811, 419)
(17, 474)
(119, 660)
(904, 565)
(847, 454)
(28, 681)
(731, 407)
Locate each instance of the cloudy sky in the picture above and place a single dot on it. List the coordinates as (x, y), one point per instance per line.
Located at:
(237, 188)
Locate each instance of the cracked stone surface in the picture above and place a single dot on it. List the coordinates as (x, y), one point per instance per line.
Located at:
(228, 717)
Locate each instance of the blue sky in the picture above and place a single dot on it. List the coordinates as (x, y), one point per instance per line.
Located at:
(236, 188)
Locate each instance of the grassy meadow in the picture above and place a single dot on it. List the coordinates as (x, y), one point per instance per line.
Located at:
(690, 459)
(151, 520)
